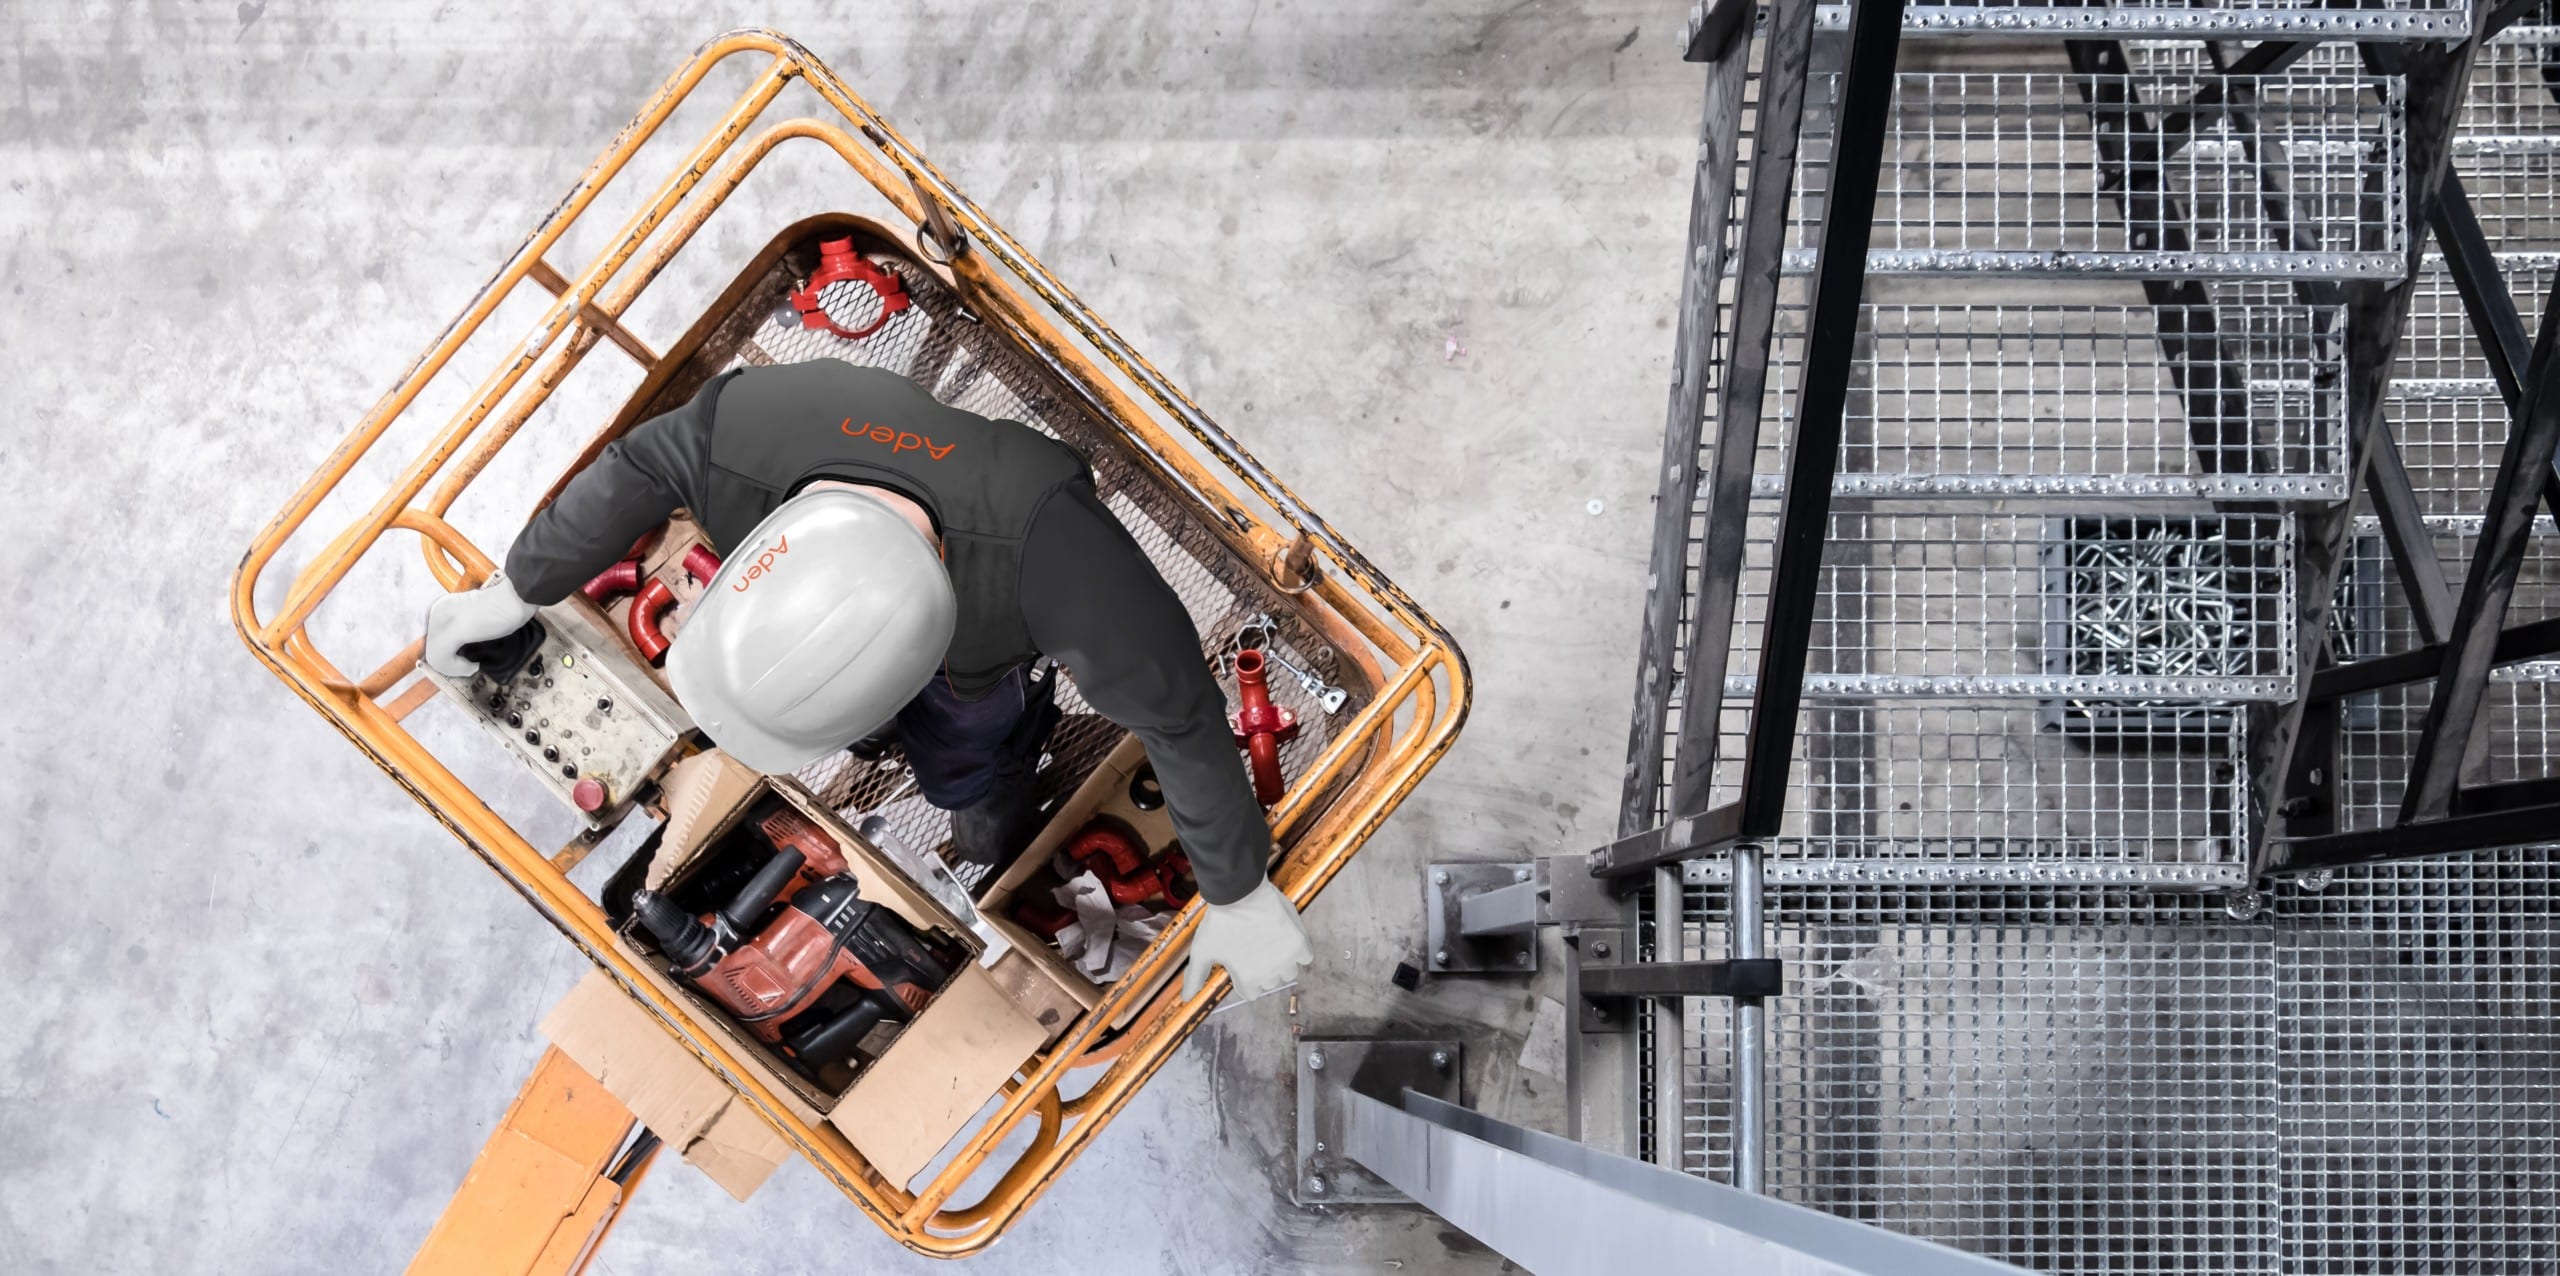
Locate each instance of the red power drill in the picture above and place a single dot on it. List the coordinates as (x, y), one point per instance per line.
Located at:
(819, 972)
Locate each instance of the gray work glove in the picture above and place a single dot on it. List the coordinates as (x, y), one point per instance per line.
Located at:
(456, 621)
(1257, 939)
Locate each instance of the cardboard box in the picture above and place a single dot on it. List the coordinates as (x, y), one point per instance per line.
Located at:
(1103, 793)
(956, 1055)
(665, 1086)
(943, 1066)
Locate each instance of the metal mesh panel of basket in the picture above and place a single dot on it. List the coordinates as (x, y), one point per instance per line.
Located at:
(940, 344)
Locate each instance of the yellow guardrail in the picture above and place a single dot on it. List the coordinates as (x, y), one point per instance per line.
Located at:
(1367, 767)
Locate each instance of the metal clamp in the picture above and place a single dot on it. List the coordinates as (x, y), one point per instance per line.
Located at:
(938, 237)
(1605, 988)
(1327, 696)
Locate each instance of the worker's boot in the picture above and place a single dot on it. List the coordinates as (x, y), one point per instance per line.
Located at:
(986, 837)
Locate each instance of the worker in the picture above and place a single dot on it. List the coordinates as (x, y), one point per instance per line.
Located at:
(896, 570)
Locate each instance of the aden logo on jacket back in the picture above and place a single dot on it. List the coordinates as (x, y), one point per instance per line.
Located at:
(898, 440)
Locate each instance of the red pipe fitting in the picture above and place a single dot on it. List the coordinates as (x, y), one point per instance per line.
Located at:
(1261, 727)
(1042, 918)
(1136, 888)
(838, 262)
(1119, 852)
(701, 564)
(613, 582)
(624, 577)
(656, 599)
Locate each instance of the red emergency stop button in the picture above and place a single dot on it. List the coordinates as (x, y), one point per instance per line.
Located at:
(588, 794)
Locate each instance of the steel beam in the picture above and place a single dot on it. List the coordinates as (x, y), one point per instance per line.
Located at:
(2534, 641)
(1670, 841)
(1739, 394)
(2436, 78)
(2524, 471)
(2521, 825)
(1692, 358)
(2486, 301)
(1504, 910)
(1752, 979)
(2513, 795)
(1813, 455)
(1714, 27)
(2217, 402)
(1559, 1208)
(2404, 534)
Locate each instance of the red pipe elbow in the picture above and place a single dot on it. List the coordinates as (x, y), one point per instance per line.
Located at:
(613, 582)
(655, 600)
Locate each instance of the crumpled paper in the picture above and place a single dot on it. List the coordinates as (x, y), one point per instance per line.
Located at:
(1105, 938)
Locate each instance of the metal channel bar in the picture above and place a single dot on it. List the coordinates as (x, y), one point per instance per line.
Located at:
(1560, 1208)
(1804, 514)
(2185, 22)
(1741, 393)
(1692, 357)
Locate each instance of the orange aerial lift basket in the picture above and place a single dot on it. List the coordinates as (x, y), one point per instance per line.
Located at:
(984, 326)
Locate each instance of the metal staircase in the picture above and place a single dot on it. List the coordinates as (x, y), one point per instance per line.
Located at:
(2053, 477)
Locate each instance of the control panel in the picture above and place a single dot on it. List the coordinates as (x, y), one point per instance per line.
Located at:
(578, 709)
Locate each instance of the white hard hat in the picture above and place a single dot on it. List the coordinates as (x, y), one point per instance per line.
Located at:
(821, 625)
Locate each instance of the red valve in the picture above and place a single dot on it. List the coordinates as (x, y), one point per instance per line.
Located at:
(1261, 727)
(838, 262)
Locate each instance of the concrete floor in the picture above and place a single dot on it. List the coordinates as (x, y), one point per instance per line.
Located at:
(265, 1010)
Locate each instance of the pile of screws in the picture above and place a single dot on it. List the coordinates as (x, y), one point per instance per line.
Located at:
(2152, 597)
(2147, 599)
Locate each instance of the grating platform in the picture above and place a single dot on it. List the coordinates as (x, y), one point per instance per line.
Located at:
(2244, 402)
(2082, 1080)
(2192, 19)
(1975, 602)
(2004, 174)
